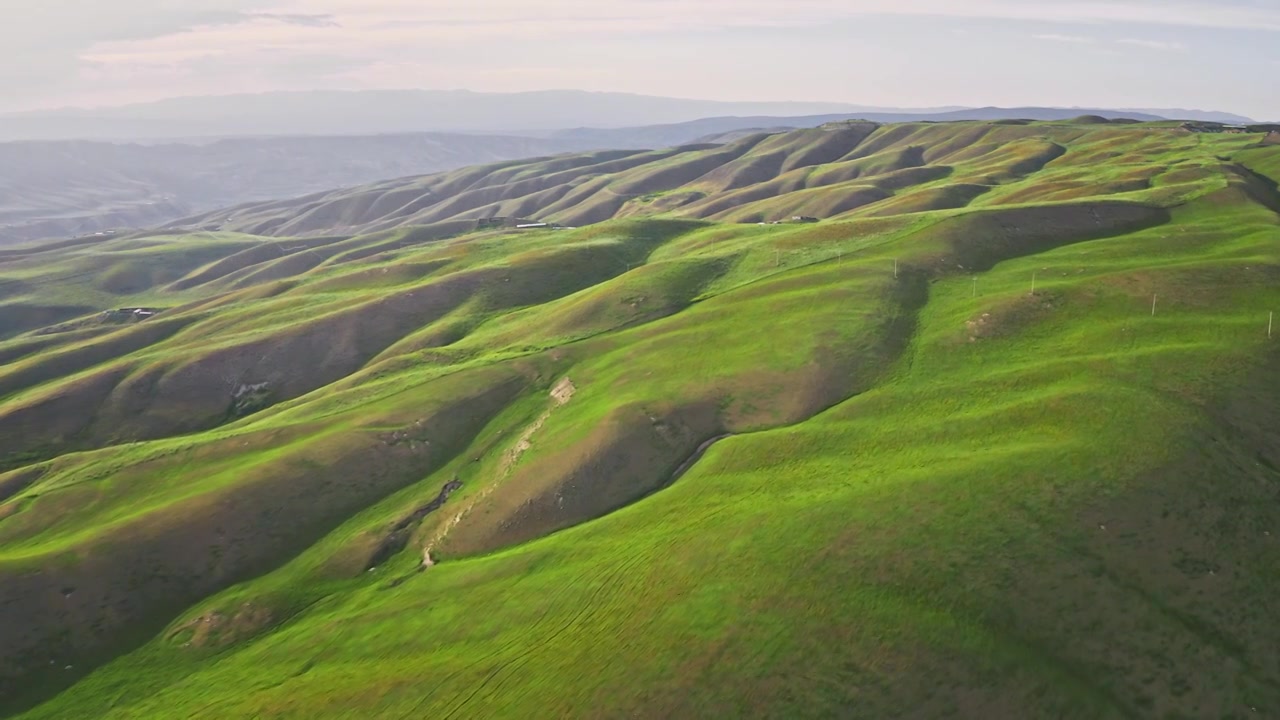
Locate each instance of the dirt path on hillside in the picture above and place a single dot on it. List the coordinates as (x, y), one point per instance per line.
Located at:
(561, 394)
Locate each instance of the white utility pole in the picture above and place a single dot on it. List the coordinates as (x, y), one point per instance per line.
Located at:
(1153, 305)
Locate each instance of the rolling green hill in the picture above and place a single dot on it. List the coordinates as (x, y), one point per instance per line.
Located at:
(996, 438)
(839, 171)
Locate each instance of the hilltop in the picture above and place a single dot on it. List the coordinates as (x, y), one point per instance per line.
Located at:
(840, 170)
(994, 437)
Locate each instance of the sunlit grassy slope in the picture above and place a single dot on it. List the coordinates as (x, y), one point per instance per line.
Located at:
(1002, 443)
(843, 170)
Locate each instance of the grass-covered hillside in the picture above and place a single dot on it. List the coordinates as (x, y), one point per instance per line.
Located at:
(839, 171)
(999, 437)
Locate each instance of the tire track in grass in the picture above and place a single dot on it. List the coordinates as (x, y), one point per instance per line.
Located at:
(555, 602)
(585, 609)
(504, 673)
(596, 607)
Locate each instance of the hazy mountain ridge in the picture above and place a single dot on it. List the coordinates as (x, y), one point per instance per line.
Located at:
(66, 188)
(407, 111)
(58, 189)
(657, 136)
(370, 112)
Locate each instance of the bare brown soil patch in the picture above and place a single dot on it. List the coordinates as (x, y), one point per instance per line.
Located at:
(630, 455)
(561, 395)
(218, 629)
(1011, 316)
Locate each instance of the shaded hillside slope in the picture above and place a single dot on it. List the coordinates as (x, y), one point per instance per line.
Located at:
(915, 462)
(842, 170)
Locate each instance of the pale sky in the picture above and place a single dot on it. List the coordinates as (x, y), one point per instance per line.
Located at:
(1219, 54)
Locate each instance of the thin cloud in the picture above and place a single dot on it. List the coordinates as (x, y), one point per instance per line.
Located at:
(679, 14)
(1073, 39)
(294, 44)
(1154, 44)
(300, 19)
(373, 26)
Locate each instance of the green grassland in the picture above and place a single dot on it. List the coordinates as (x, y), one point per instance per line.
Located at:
(997, 438)
(841, 171)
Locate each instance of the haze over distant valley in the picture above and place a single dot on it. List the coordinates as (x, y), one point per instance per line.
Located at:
(270, 147)
(406, 111)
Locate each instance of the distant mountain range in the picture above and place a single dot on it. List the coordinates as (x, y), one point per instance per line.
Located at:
(66, 188)
(58, 188)
(374, 112)
(658, 136)
(403, 111)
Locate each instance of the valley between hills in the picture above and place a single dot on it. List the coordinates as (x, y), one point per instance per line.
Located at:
(970, 419)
